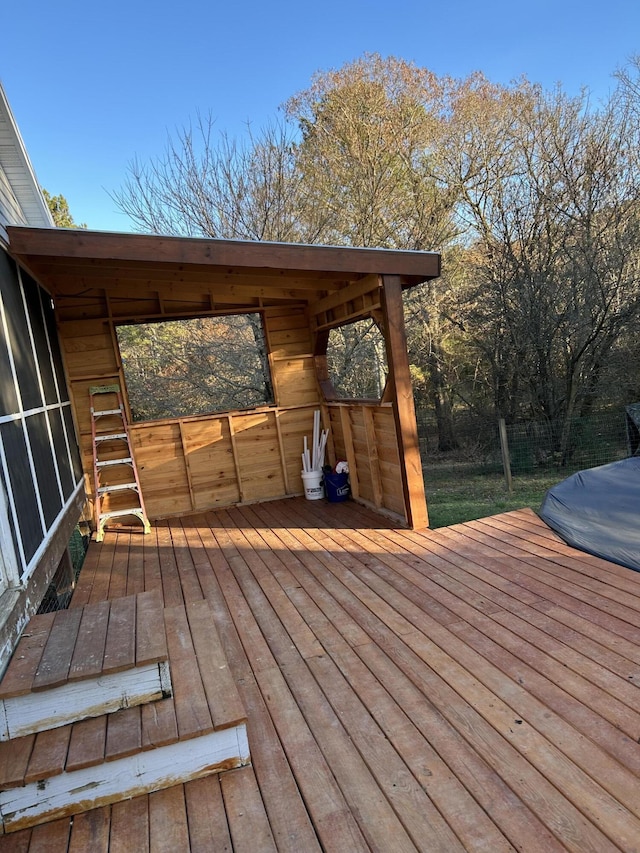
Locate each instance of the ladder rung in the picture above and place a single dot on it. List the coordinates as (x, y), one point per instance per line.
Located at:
(116, 513)
(99, 412)
(114, 388)
(127, 461)
(112, 436)
(119, 487)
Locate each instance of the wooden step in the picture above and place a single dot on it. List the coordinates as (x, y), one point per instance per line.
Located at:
(85, 662)
(200, 729)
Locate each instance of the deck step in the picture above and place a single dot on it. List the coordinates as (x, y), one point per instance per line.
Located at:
(199, 730)
(85, 662)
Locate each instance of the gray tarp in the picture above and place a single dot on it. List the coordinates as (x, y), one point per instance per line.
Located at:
(598, 511)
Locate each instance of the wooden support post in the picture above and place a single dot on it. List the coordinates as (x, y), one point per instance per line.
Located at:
(403, 405)
(506, 459)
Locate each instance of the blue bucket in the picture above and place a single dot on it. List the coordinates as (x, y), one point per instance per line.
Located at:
(336, 487)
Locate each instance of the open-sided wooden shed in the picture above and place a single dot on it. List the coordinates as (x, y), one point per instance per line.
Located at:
(191, 464)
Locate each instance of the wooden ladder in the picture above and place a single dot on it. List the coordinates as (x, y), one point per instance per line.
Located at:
(115, 475)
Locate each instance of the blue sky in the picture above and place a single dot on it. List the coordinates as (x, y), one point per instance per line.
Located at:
(93, 85)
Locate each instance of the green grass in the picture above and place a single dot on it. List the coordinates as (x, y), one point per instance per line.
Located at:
(460, 494)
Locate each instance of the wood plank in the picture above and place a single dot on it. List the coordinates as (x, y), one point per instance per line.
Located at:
(23, 665)
(87, 743)
(153, 770)
(151, 562)
(171, 587)
(49, 754)
(372, 454)
(159, 724)
(130, 826)
(189, 583)
(135, 573)
(192, 710)
(151, 640)
(82, 592)
(124, 733)
(120, 645)
(88, 655)
(168, 827)
(248, 821)
(14, 759)
(346, 294)
(53, 668)
(51, 838)
(102, 575)
(16, 842)
(90, 831)
(224, 701)
(347, 438)
(206, 817)
(187, 465)
(118, 580)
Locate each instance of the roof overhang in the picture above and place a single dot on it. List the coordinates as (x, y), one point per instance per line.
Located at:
(43, 249)
(15, 163)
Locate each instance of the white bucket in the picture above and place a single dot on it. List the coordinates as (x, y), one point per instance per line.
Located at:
(312, 482)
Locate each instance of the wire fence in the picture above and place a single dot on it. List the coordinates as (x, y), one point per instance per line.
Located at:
(60, 590)
(535, 447)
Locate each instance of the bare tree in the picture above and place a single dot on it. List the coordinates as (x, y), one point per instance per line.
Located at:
(210, 185)
(550, 200)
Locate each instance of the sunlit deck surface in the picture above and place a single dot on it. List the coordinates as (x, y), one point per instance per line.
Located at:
(468, 688)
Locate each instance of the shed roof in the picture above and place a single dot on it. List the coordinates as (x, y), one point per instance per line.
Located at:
(60, 256)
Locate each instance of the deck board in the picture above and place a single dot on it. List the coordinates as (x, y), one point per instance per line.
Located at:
(472, 688)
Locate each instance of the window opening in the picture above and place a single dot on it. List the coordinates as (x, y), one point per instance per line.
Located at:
(178, 368)
(357, 360)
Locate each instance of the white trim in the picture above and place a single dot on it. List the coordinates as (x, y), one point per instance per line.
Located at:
(43, 397)
(9, 570)
(14, 512)
(113, 781)
(5, 419)
(61, 402)
(45, 542)
(76, 700)
(14, 374)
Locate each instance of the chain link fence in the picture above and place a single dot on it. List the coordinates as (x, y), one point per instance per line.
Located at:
(535, 447)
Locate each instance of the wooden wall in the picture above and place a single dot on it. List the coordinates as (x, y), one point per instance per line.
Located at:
(365, 436)
(194, 463)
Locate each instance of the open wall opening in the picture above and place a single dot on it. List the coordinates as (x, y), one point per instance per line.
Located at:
(178, 368)
(357, 360)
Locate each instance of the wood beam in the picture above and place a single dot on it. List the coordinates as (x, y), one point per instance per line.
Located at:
(79, 243)
(345, 294)
(403, 405)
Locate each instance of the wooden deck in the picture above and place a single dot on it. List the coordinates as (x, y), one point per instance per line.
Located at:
(470, 688)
